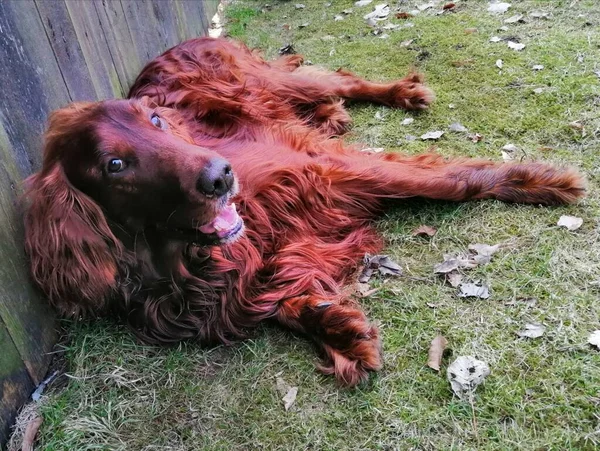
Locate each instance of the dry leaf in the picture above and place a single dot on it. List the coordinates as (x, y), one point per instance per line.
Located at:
(484, 249)
(514, 19)
(407, 43)
(299, 6)
(495, 39)
(403, 16)
(338, 18)
(499, 8)
(448, 6)
(538, 90)
(30, 432)
(594, 339)
(475, 137)
(436, 351)
(532, 330)
(424, 230)
(454, 279)
(287, 49)
(304, 25)
(432, 135)
(537, 67)
(391, 26)
(465, 374)
(425, 6)
(473, 290)
(470, 30)
(363, 2)
(570, 222)
(407, 121)
(576, 125)
(539, 15)
(499, 64)
(381, 263)
(515, 46)
(347, 11)
(380, 12)
(457, 127)
(290, 398)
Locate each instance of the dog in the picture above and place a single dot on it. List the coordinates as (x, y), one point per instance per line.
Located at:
(219, 195)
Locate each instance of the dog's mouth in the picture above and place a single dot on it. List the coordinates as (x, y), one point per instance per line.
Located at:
(225, 228)
(228, 226)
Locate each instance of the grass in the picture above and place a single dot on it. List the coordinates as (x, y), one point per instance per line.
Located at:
(542, 394)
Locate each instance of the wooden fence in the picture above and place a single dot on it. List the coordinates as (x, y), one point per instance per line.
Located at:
(53, 52)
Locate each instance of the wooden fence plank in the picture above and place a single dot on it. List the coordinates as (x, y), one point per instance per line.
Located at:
(32, 84)
(15, 384)
(27, 317)
(119, 39)
(67, 50)
(95, 49)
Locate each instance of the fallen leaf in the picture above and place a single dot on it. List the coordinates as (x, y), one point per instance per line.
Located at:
(495, 39)
(371, 22)
(403, 16)
(328, 37)
(290, 398)
(448, 6)
(432, 135)
(465, 374)
(451, 106)
(391, 26)
(285, 26)
(424, 230)
(514, 19)
(363, 2)
(475, 137)
(373, 149)
(299, 6)
(539, 15)
(381, 263)
(499, 8)
(407, 121)
(380, 12)
(473, 290)
(530, 302)
(509, 152)
(532, 330)
(384, 36)
(457, 127)
(31, 431)
(410, 138)
(454, 279)
(470, 30)
(576, 125)
(499, 64)
(425, 6)
(431, 305)
(538, 90)
(338, 18)
(594, 339)
(407, 43)
(570, 222)
(287, 49)
(537, 67)
(436, 351)
(484, 249)
(447, 266)
(463, 63)
(515, 46)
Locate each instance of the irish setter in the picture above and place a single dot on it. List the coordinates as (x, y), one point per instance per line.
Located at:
(217, 197)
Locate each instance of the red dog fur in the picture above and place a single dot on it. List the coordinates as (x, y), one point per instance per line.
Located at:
(130, 215)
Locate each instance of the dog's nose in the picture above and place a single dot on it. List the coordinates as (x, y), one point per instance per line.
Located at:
(216, 179)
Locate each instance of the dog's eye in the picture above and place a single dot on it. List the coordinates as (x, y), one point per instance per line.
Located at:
(116, 165)
(157, 121)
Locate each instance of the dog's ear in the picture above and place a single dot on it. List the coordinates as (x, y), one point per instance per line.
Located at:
(147, 101)
(73, 253)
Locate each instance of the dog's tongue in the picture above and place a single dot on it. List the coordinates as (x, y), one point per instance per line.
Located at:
(224, 223)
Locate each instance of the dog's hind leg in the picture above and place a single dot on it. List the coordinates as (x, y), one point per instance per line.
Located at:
(361, 181)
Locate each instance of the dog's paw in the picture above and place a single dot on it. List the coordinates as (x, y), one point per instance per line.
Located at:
(331, 118)
(411, 94)
(351, 366)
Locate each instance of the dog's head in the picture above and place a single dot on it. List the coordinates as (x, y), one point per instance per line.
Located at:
(125, 163)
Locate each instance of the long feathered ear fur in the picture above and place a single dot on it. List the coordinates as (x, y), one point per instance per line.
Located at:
(73, 253)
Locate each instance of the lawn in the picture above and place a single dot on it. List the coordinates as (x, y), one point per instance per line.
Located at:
(542, 393)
